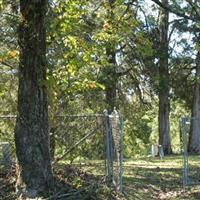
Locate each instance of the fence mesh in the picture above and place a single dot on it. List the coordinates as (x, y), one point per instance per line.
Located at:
(91, 143)
(79, 141)
(191, 150)
(7, 146)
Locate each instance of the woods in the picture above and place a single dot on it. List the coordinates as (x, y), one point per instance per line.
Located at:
(70, 60)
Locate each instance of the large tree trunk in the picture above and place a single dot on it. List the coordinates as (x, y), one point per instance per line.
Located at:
(164, 103)
(31, 131)
(194, 137)
(164, 137)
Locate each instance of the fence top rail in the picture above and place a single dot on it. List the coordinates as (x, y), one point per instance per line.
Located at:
(64, 116)
(81, 115)
(7, 116)
(59, 116)
(190, 118)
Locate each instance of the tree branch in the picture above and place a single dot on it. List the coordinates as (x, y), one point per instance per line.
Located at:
(125, 72)
(174, 11)
(194, 8)
(6, 64)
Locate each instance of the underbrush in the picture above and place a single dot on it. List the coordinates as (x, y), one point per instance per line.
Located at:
(7, 183)
(143, 179)
(70, 183)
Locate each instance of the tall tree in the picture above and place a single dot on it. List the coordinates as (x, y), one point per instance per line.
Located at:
(117, 28)
(164, 103)
(111, 79)
(31, 131)
(190, 12)
(194, 137)
(110, 70)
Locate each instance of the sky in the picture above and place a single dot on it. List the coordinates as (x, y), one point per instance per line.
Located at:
(175, 38)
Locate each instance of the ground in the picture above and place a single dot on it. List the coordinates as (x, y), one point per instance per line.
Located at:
(144, 178)
(152, 178)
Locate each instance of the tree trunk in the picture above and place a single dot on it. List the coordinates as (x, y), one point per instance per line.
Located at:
(111, 74)
(164, 137)
(194, 137)
(111, 80)
(164, 103)
(31, 131)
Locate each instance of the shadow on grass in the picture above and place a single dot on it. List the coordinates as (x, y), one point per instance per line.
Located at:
(152, 178)
(145, 183)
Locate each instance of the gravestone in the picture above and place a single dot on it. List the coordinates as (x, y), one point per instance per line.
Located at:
(157, 150)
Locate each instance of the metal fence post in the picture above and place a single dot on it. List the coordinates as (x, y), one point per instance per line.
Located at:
(117, 126)
(115, 122)
(121, 153)
(108, 141)
(185, 151)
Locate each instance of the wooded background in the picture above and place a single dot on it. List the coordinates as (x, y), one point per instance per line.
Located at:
(141, 57)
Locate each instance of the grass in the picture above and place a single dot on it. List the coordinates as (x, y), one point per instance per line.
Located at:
(143, 178)
(152, 178)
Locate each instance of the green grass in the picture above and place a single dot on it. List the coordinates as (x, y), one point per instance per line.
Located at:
(143, 178)
(152, 178)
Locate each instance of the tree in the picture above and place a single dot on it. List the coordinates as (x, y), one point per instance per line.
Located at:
(31, 131)
(72, 57)
(110, 70)
(164, 103)
(194, 137)
(118, 25)
(155, 68)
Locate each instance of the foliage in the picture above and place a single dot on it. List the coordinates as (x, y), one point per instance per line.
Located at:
(8, 61)
(144, 178)
(137, 129)
(78, 35)
(70, 183)
(179, 110)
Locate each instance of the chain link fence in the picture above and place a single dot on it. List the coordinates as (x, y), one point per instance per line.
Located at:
(7, 146)
(90, 143)
(191, 169)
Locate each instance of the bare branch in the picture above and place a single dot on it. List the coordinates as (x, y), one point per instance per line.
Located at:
(174, 11)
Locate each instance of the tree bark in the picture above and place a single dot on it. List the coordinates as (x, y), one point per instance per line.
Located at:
(164, 103)
(194, 137)
(31, 131)
(111, 74)
(111, 80)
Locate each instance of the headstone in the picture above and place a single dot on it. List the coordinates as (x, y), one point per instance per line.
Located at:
(157, 150)
(154, 150)
(161, 152)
